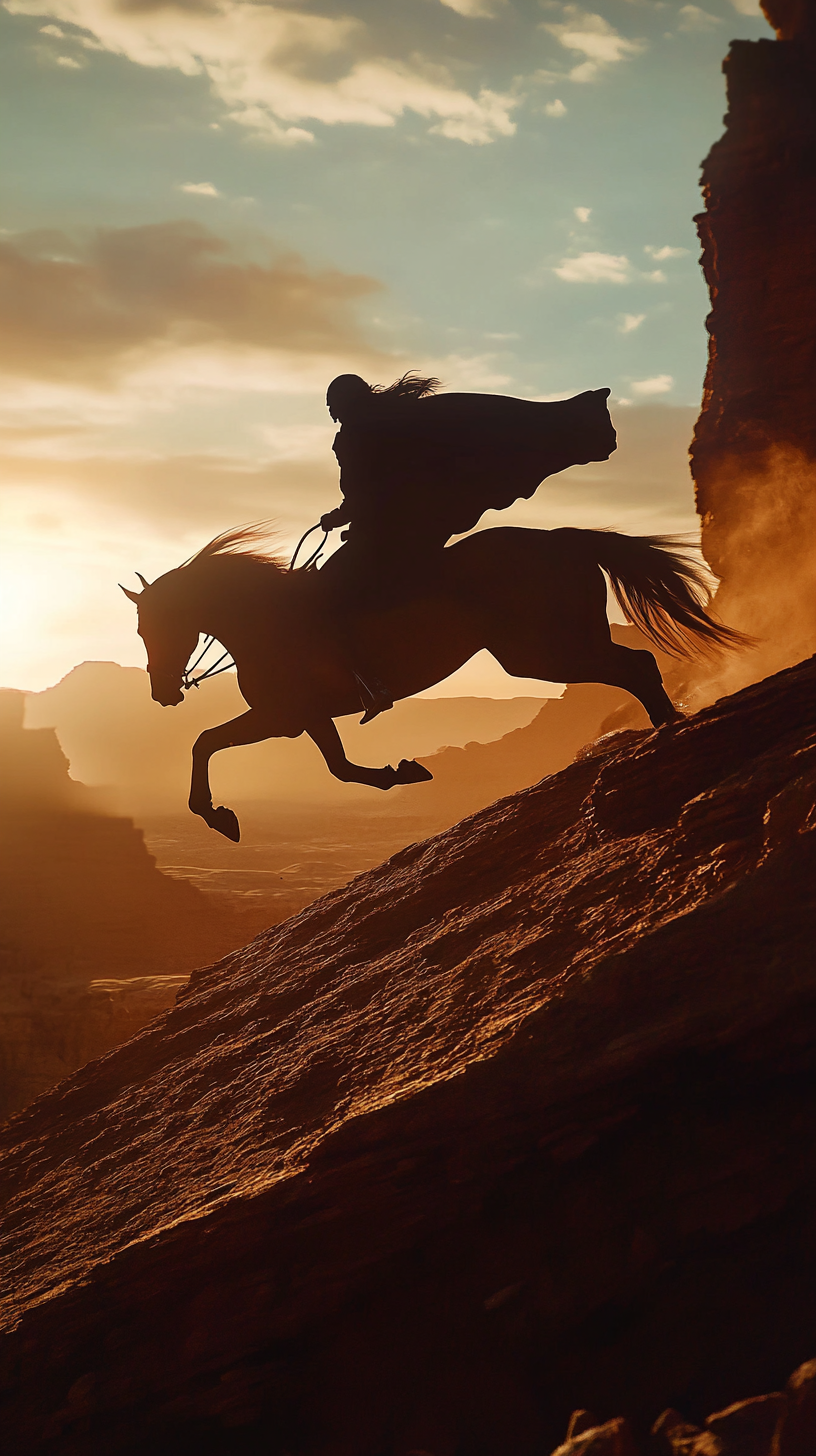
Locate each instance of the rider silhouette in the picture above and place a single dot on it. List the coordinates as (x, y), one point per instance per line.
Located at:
(417, 467)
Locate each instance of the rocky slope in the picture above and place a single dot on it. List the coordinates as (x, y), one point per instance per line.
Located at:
(520, 1121)
(754, 452)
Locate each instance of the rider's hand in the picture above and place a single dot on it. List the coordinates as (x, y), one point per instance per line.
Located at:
(332, 519)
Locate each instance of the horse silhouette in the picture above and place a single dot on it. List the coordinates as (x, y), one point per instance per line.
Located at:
(535, 599)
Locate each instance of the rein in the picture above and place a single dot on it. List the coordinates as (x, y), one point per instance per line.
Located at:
(188, 681)
(315, 554)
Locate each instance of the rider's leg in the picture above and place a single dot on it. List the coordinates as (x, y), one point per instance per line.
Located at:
(353, 583)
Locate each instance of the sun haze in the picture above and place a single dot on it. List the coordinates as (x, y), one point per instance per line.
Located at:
(499, 194)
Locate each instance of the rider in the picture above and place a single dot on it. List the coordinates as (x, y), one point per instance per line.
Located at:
(417, 467)
(389, 549)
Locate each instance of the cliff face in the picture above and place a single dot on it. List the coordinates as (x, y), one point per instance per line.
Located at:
(754, 451)
(520, 1121)
(82, 903)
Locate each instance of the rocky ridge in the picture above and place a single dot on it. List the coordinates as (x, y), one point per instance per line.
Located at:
(518, 1122)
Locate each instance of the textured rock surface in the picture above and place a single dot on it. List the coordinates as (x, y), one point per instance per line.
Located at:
(520, 1121)
(754, 453)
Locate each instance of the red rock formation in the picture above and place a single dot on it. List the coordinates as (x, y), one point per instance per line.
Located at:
(522, 1120)
(82, 902)
(754, 451)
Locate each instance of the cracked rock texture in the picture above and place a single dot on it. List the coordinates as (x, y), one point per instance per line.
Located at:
(523, 1120)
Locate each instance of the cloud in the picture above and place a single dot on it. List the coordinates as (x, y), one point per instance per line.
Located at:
(594, 37)
(273, 68)
(660, 384)
(88, 311)
(583, 214)
(555, 108)
(693, 18)
(199, 189)
(594, 268)
(69, 62)
(748, 7)
(661, 254)
(629, 322)
(476, 9)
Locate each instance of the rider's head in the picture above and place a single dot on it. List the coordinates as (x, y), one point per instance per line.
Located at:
(346, 395)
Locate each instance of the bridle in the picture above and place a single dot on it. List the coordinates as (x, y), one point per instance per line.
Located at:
(215, 668)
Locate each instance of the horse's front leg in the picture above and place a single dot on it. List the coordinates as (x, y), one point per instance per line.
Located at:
(324, 733)
(252, 727)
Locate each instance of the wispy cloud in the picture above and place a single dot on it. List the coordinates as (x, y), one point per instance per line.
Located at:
(660, 255)
(629, 322)
(693, 18)
(660, 384)
(555, 108)
(273, 68)
(592, 36)
(476, 9)
(594, 268)
(199, 189)
(583, 214)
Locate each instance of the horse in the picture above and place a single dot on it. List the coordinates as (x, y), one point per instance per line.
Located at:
(535, 599)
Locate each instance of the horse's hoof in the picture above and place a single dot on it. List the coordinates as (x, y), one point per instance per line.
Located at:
(411, 772)
(225, 822)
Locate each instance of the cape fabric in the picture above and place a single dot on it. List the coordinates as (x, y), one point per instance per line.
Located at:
(433, 466)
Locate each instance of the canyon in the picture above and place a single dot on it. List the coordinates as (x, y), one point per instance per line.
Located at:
(520, 1121)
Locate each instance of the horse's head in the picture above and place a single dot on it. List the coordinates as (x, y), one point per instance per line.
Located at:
(169, 631)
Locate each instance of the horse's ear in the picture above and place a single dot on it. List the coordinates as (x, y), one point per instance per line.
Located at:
(142, 580)
(131, 596)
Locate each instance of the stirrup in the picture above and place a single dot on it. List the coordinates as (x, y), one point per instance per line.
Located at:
(374, 698)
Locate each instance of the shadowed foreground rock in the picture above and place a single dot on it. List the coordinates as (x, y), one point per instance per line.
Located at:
(521, 1121)
(780, 1424)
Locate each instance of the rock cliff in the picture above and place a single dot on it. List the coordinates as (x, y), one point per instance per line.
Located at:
(82, 903)
(518, 1122)
(754, 451)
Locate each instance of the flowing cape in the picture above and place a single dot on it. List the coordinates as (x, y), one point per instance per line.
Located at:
(441, 462)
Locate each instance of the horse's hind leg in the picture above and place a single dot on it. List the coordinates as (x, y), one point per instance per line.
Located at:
(637, 672)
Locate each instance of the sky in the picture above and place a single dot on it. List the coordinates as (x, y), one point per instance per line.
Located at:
(210, 208)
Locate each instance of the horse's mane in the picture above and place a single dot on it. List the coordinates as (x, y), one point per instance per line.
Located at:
(251, 543)
(410, 386)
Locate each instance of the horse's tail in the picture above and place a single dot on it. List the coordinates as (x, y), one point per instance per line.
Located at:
(661, 587)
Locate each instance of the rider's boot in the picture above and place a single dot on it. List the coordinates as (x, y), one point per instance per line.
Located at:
(374, 696)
